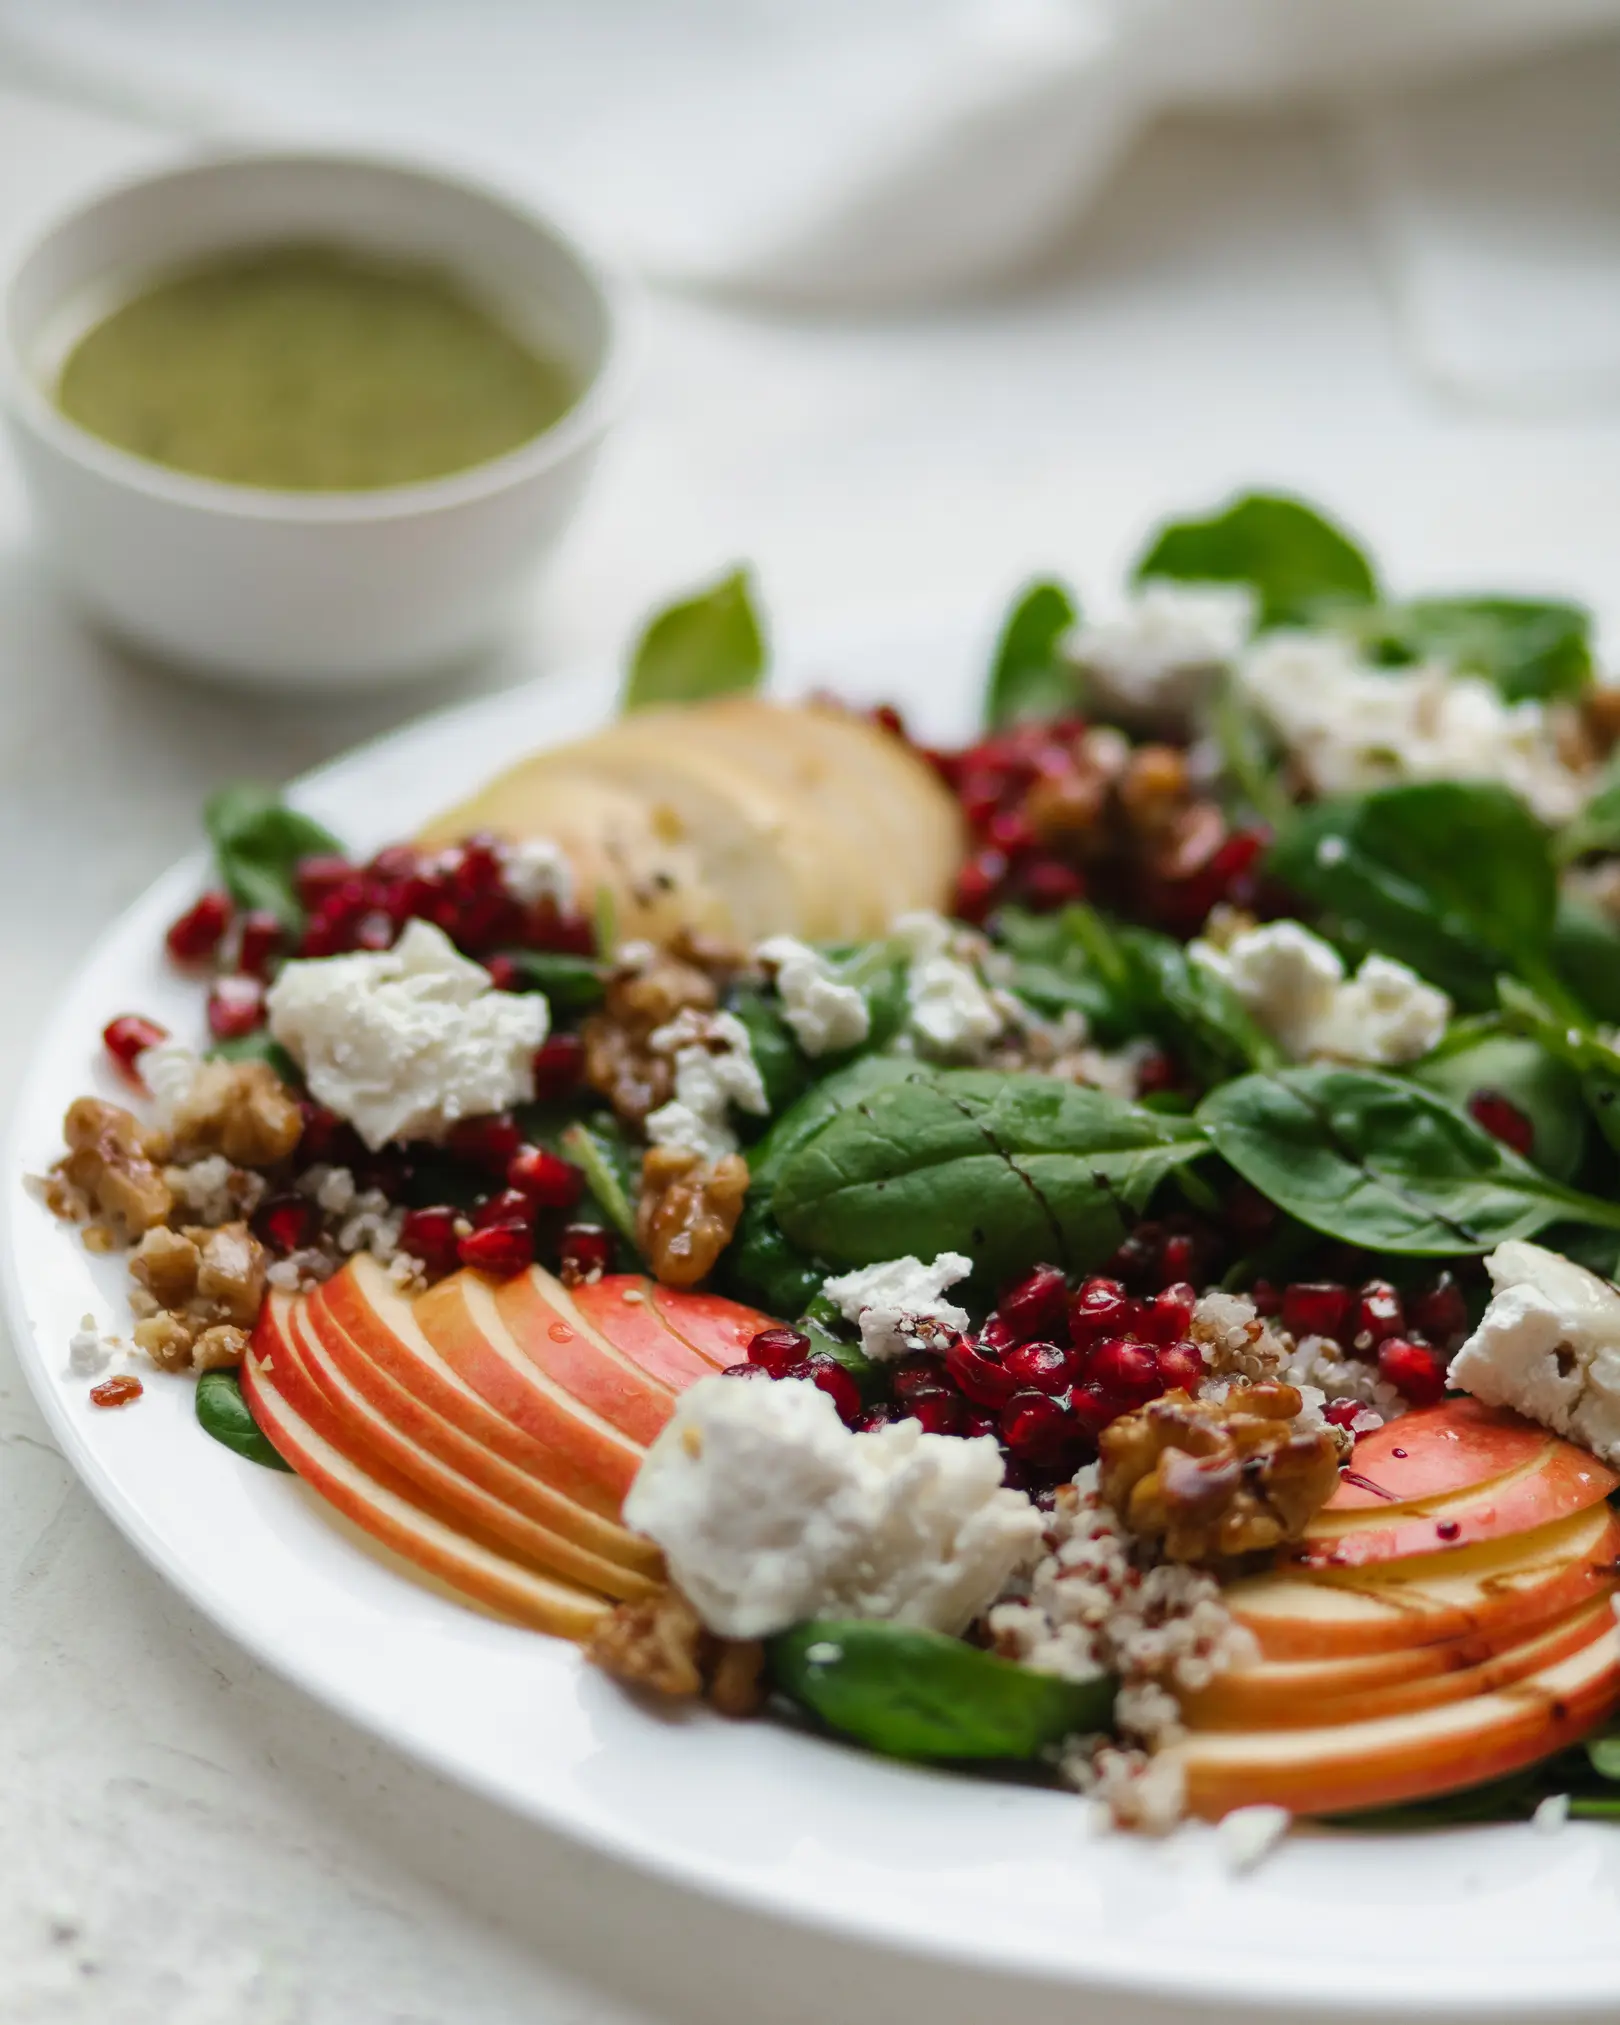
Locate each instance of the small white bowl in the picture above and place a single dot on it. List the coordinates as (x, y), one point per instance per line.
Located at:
(251, 586)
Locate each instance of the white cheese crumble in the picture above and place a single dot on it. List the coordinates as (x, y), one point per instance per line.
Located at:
(406, 1042)
(951, 1013)
(900, 1305)
(1295, 985)
(89, 1352)
(1156, 662)
(1548, 1346)
(168, 1070)
(769, 1512)
(824, 1015)
(535, 869)
(1551, 1815)
(714, 1069)
(1248, 1835)
(1353, 726)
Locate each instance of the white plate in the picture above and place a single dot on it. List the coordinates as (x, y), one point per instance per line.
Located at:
(1486, 1921)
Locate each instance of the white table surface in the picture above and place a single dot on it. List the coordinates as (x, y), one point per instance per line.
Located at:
(183, 1838)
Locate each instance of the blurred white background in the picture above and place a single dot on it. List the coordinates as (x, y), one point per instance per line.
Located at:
(935, 295)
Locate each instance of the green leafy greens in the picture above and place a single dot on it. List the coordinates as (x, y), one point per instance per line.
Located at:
(223, 1411)
(710, 644)
(1029, 677)
(1530, 648)
(1293, 559)
(258, 842)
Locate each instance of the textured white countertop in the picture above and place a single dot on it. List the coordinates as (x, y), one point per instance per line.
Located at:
(186, 1840)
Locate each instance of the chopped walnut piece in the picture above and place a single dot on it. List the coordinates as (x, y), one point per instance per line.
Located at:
(687, 1211)
(1153, 789)
(657, 1642)
(620, 1061)
(167, 1340)
(165, 1262)
(230, 1275)
(240, 1109)
(219, 1348)
(112, 1162)
(1214, 1480)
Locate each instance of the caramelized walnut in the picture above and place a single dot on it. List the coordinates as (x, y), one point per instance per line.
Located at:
(658, 1643)
(167, 1339)
(220, 1348)
(165, 1262)
(1214, 1480)
(1153, 789)
(113, 1165)
(240, 1109)
(620, 1061)
(687, 1211)
(230, 1273)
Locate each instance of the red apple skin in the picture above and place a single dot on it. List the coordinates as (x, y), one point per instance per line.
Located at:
(1349, 1766)
(620, 1307)
(306, 1374)
(1500, 1587)
(1439, 1451)
(362, 1305)
(546, 1325)
(716, 1328)
(1559, 1479)
(460, 1319)
(368, 1495)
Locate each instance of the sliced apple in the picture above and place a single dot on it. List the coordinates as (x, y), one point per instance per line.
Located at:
(1456, 1446)
(548, 1322)
(1485, 1590)
(363, 1304)
(620, 1306)
(1344, 1766)
(459, 1317)
(716, 1328)
(385, 1506)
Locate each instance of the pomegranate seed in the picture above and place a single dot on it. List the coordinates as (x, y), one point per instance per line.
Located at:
(1137, 1260)
(1343, 1412)
(558, 1065)
(389, 1170)
(978, 885)
(1048, 884)
(1166, 1317)
(1035, 1305)
(488, 1143)
(976, 1422)
(123, 1390)
(1156, 1073)
(995, 1335)
(260, 942)
(1316, 1308)
(396, 861)
(511, 1205)
(1035, 1427)
(1181, 1366)
(881, 1415)
(1503, 1120)
(888, 719)
(199, 931)
(128, 1037)
(1041, 1367)
(1267, 1299)
(1124, 1371)
(430, 1235)
(317, 879)
(1441, 1311)
(1092, 1410)
(982, 1377)
(1379, 1313)
(777, 1350)
(744, 1371)
(1010, 832)
(586, 1253)
(287, 1222)
(504, 974)
(980, 797)
(914, 1376)
(1100, 1308)
(940, 1412)
(1416, 1370)
(501, 1249)
(1178, 1260)
(235, 1007)
(838, 1384)
(549, 1181)
(327, 1140)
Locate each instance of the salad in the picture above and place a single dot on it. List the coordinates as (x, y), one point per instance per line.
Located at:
(1089, 1254)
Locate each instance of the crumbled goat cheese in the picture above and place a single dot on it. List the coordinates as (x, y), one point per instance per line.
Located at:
(1156, 663)
(168, 1070)
(406, 1042)
(951, 1013)
(535, 869)
(900, 1305)
(89, 1352)
(1551, 1815)
(1248, 1835)
(1295, 985)
(1351, 726)
(1548, 1346)
(824, 1015)
(769, 1511)
(714, 1069)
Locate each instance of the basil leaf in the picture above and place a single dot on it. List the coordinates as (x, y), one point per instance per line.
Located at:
(1597, 827)
(710, 644)
(1530, 648)
(1293, 558)
(1006, 1168)
(1536, 1082)
(919, 1694)
(1454, 878)
(258, 842)
(1376, 1161)
(609, 1165)
(223, 1412)
(1029, 677)
(571, 984)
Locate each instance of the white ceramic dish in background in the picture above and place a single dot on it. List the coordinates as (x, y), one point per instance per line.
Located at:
(249, 585)
(1482, 1923)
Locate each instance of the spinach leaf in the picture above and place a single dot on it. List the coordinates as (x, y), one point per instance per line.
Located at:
(1586, 957)
(1294, 559)
(259, 1047)
(1530, 648)
(919, 1694)
(1056, 969)
(223, 1412)
(1006, 1168)
(1195, 1013)
(1597, 827)
(1376, 1161)
(707, 645)
(781, 1062)
(1515, 1798)
(1454, 878)
(600, 1149)
(1029, 677)
(571, 984)
(258, 841)
(1590, 1055)
(1536, 1082)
